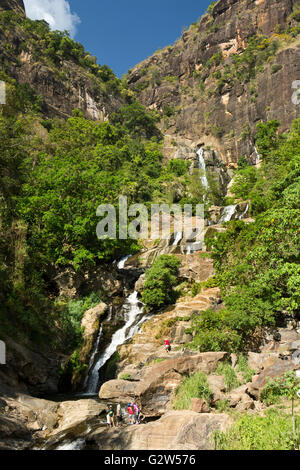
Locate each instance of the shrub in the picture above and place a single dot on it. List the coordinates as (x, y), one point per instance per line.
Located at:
(195, 386)
(212, 333)
(211, 7)
(125, 377)
(178, 167)
(275, 68)
(161, 279)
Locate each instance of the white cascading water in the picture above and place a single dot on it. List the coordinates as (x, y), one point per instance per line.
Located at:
(188, 249)
(78, 444)
(133, 318)
(121, 263)
(242, 216)
(177, 239)
(228, 213)
(257, 156)
(202, 167)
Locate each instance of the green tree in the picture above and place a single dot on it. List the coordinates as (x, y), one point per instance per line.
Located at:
(161, 279)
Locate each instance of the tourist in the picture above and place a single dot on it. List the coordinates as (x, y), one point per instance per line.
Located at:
(131, 413)
(167, 345)
(136, 413)
(119, 415)
(110, 417)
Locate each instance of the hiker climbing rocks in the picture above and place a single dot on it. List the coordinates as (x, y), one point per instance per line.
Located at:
(167, 345)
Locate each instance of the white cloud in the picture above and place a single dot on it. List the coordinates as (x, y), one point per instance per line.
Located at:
(56, 12)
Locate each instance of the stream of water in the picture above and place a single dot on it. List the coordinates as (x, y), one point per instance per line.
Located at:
(228, 213)
(133, 316)
(178, 238)
(202, 167)
(122, 262)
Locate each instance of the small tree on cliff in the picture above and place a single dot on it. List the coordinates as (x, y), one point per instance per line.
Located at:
(160, 282)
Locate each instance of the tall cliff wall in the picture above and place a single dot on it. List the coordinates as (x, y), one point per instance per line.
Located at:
(14, 5)
(56, 67)
(232, 69)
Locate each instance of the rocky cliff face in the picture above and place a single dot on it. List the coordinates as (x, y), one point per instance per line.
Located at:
(59, 70)
(13, 5)
(230, 70)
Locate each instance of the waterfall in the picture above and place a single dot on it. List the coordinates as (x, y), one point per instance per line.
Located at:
(78, 444)
(202, 167)
(244, 213)
(91, 362)
(133, 319)
(177, 239)
(121, 263)
(257, 156)
(228, 213)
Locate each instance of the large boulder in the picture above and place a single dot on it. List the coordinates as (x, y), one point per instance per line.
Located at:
(238, 398)
(275, 370)
(91, 322)
(158, 382)
(195, 268)
(21, 417)
(199, 405)
(176, 430)
(26, 421)
(217, 386)
(260, 361)
(30, 371)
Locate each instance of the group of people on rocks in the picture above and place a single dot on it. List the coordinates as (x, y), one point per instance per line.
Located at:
(134, 412)
(115, 419)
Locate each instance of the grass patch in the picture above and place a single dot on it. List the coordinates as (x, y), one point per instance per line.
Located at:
(222, 405)
(195, 386)
(273, 431)
(244, 369)
(230, 377)
(125, 377)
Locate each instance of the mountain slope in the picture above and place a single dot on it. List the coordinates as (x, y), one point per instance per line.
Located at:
(55, 66)
(231, 69)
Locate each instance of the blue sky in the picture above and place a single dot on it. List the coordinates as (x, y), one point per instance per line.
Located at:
(121, 33)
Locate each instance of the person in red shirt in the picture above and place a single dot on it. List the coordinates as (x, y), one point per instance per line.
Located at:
(167, 345)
